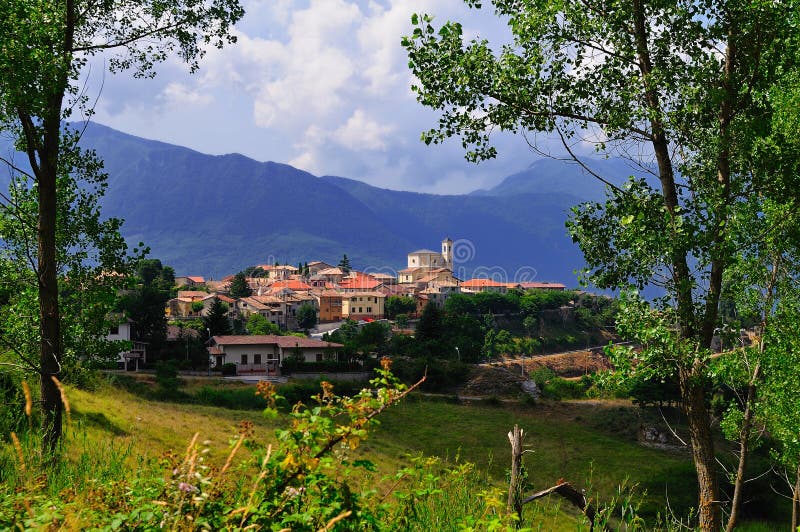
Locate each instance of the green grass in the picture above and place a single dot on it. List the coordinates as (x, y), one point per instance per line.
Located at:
(588, 443)
(559, 448)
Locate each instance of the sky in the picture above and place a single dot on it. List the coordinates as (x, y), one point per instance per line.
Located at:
(322, 85)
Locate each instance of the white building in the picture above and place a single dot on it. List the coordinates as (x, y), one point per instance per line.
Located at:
(265, 353)
(426, 258)
(136, 355)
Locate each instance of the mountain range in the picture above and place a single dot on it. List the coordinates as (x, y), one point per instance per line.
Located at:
(214, 215)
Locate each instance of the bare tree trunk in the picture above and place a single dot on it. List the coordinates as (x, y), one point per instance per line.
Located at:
(796, 501)
(744, 448)
(515, 486)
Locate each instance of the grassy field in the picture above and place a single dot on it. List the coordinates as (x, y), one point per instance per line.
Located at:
(588, 443)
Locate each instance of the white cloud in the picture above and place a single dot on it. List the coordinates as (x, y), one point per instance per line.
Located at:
(320, 84)
(179, 94)
(361, 132)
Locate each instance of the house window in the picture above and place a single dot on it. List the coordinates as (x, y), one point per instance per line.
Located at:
(359, 310)
(369, 309)
(114, 329)
(257, 359)
(244, 360)
(319, 357)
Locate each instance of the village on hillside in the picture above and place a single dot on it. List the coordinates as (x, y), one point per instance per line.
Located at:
(278, 292)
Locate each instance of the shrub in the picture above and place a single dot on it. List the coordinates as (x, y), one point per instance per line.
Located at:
(558, 388)
(228, 369)
(441, 374)
(234, 399)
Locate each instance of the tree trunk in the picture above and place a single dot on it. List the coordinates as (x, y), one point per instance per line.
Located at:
(702, 452)
(515, 486)
(796, 501)
(744, 448)
(50, 322)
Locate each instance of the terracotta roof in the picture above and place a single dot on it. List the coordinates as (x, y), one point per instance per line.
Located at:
(329, 293)
(196, 278)
(291, 284)
(192, 294)
(331, 271)
(282, 341)
(360, 283)
(224, 298)
(397, 289)
(481, 283)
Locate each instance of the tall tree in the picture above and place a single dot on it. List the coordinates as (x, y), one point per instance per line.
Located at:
(216, 321)
(144, 303)
(239, 287)
(344, 264)
(686, 84)
(91, 260)
(306, 316)
(46, 46)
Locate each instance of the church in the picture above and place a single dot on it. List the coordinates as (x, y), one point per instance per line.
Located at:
(422, 262)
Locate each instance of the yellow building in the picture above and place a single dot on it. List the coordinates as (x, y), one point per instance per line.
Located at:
(363, 305)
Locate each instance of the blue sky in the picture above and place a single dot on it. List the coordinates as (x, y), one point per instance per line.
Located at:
(322, 85)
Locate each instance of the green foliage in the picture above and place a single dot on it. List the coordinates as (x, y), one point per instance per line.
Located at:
(396, 305)
(144, 304)
(440, 375)
(259, 325)
(255, 271)
(47, 46)
(305, 479)
(306, 316)
(228, 369)
(92, 264)
(694, 84)
(239, 287)
(344, 264)
(217, 320)
(401, 320)
(167, 378)
(152, 273)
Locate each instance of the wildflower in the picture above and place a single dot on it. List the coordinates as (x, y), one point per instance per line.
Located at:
(293, 492)
(185, 487)
(386, 363)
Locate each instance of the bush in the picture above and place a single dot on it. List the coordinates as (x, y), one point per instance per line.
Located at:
(167, 375)
(442, 375)
(302, 392)
(234, 399)
(228, 369)
(559, 388)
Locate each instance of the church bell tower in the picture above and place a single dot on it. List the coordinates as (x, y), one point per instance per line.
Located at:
(447, 253)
